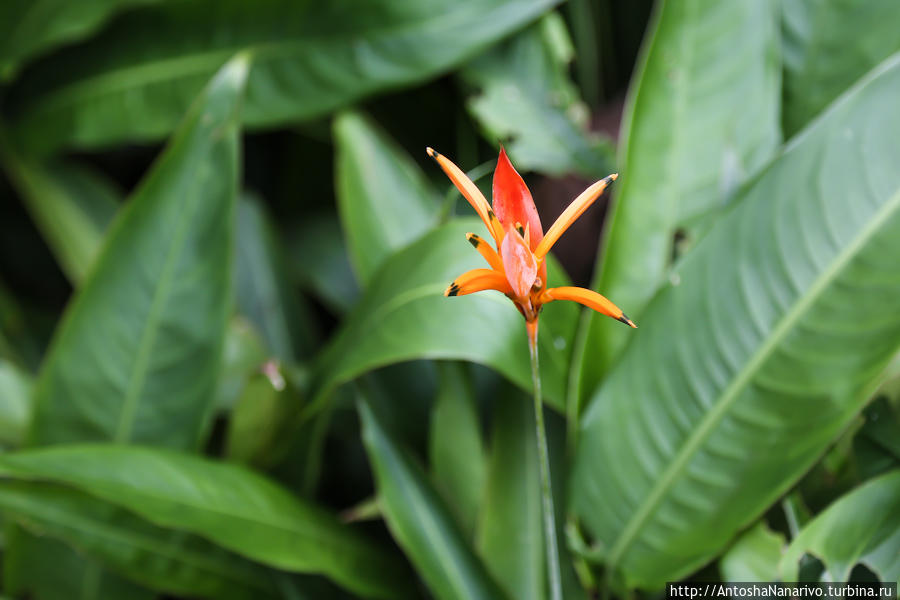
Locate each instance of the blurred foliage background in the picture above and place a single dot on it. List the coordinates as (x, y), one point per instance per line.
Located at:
(227, 370)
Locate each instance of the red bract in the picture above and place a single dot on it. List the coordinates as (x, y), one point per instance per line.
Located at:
(518, 266)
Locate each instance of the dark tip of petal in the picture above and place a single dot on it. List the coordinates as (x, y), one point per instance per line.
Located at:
(452, 290)
(430, 151)
(473, 239)
(624, 318)
(520, 229)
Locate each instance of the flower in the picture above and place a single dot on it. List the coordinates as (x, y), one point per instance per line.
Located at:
(517, 266)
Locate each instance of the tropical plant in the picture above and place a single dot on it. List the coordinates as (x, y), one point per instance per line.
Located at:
(227, 369)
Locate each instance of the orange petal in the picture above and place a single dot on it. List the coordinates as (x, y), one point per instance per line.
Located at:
(589, 298)
(572, 212)
(512, 199)
(470, 192)
(477, 280)
(519, 263)
(486, 251)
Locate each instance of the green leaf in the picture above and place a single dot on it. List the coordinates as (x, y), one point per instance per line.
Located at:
(754, 556)
(773, 340)
(15, 403)
(510, 532)
(420, 522)
(227, 504)
(262, 288)
(149, 374)
(828, 45)
(702, 118)
(134, 80)
(384, 199)
(32, 27)
(524, 98)
(456, 449)
(71, 205)
(163, 560)
(841, 539)
(404, 316)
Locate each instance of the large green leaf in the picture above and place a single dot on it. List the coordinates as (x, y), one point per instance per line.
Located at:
(829, 44)
(136, 356)
(262, 287)
(420, 522)
(456, 448)
(164, 560)
(743, 373)
(32, 27)
(510, 532)
(702, 117)
(525, 99)
(98, 378)
(227, 504)
(404, 316)
(861, 527)
(134, 80)
(71, 205)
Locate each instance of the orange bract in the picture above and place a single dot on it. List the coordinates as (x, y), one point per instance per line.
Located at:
(518, 266)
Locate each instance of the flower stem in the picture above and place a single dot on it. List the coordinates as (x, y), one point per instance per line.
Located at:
(550, 542)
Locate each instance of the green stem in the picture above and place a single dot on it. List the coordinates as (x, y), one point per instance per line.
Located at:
(546, 490)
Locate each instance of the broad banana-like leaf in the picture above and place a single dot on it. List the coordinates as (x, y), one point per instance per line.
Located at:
(135, 79)
(771, 342)
(701, 118)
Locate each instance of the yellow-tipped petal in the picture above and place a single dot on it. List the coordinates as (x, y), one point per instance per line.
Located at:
(478, 280)
(572, 212)
(588, 298)
(486, 250)
(470, 192)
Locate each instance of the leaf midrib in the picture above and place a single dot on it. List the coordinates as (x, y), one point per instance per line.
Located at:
(139, 369)
(744, 377)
